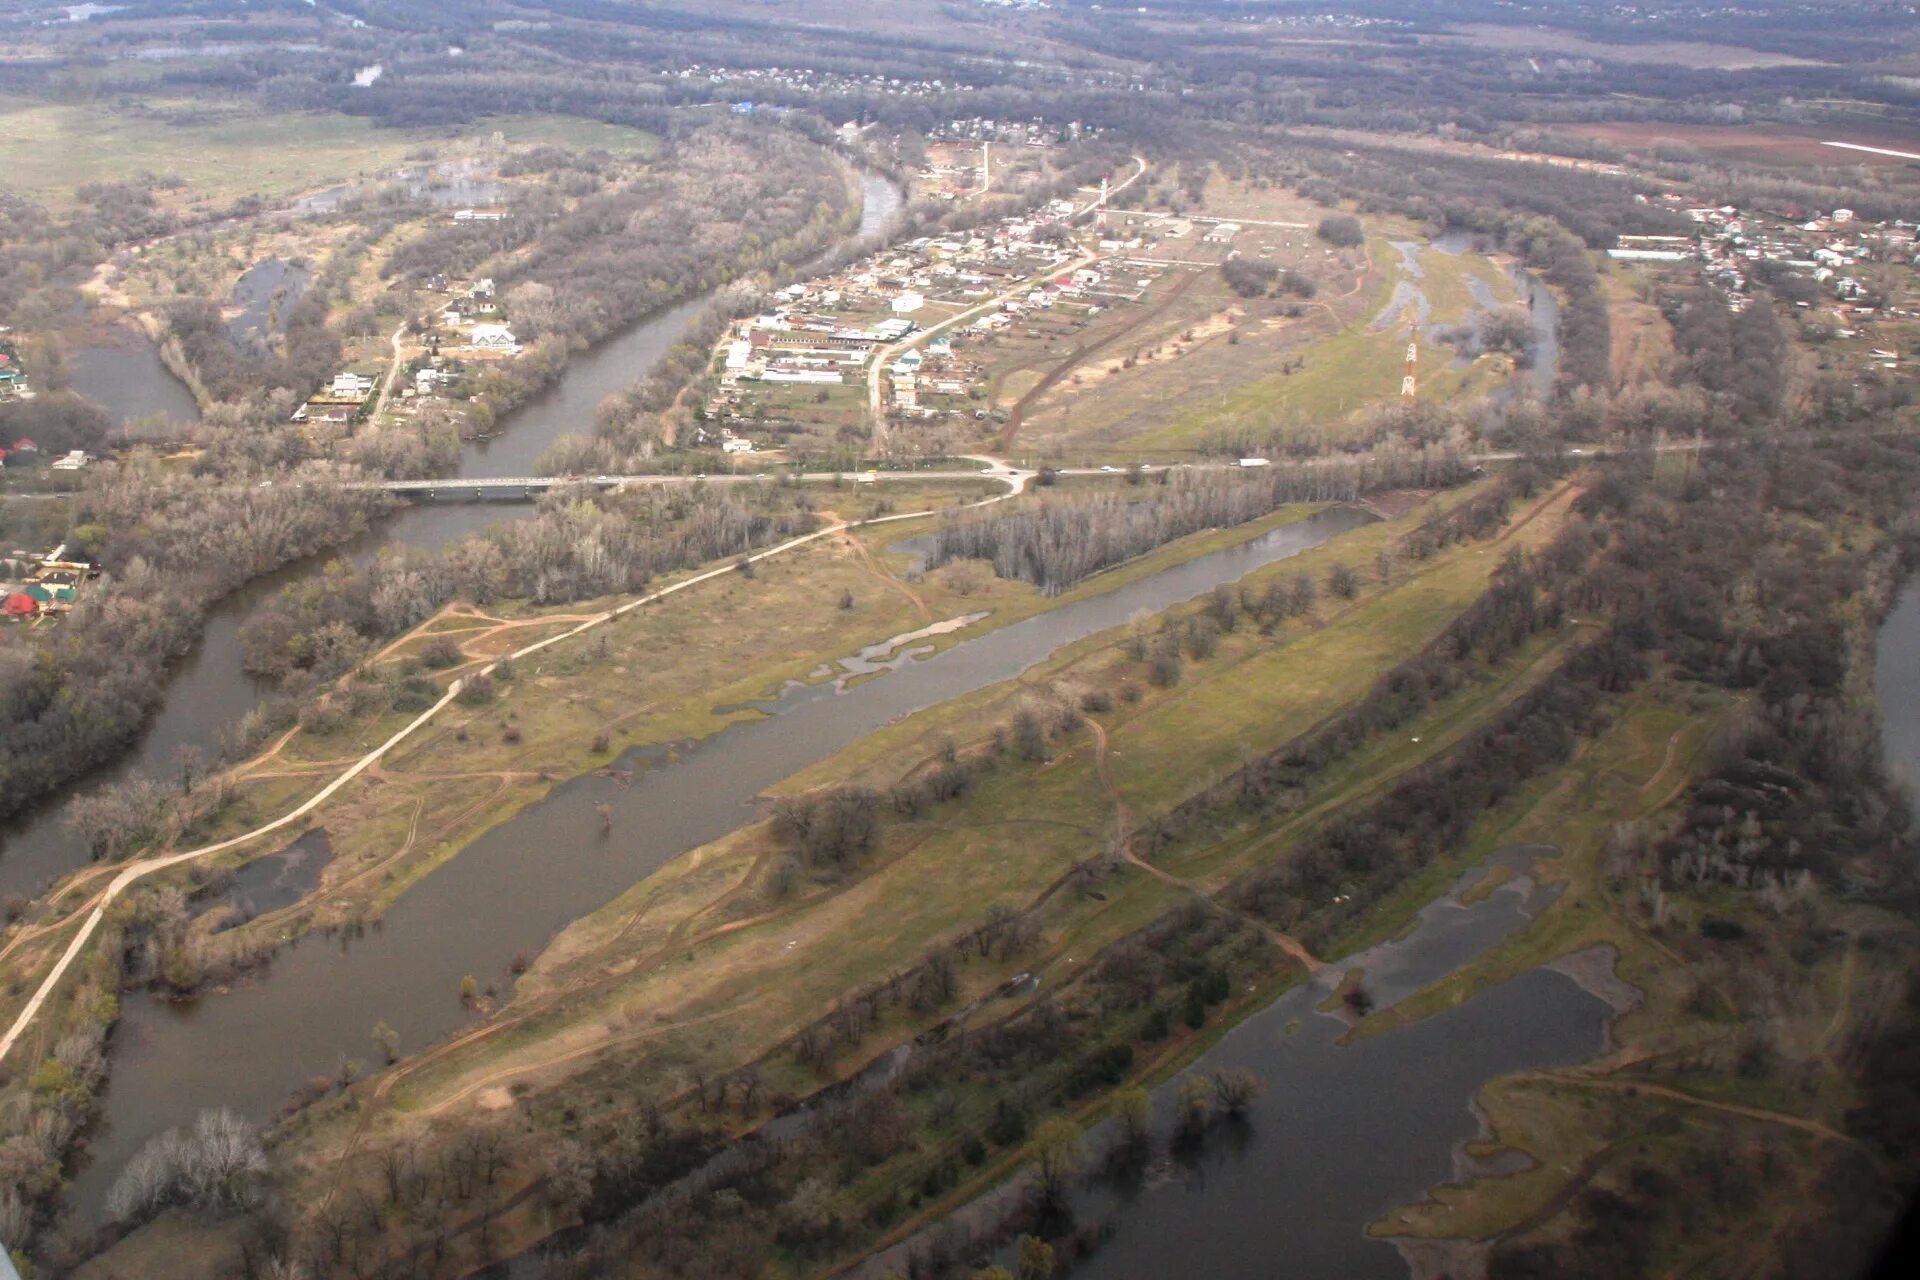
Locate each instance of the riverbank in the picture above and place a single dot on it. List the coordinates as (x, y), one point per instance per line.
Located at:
(207, 689)
(1060, 797)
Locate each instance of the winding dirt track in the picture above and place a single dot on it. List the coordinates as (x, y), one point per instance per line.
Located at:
(1124, 822)
(134, 872)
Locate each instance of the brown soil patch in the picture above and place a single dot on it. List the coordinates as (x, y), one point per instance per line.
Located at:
(1779, 145)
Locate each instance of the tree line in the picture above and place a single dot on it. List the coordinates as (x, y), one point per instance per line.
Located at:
(1054, 544)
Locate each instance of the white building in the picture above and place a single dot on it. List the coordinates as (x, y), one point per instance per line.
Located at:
(908, 301)
(494, 337)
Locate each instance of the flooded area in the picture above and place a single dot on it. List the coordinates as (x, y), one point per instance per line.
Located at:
(123, 374)
(446, 184)
(270, 883)
(1543, 311)
(514, 887)
(262, 297)
(1343, 1131)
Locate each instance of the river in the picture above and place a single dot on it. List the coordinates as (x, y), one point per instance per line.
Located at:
(1343, 1132)
(515, 886)
(206, 689)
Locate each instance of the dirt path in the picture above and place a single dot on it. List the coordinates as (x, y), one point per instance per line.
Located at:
(393, 369)
(1123, 822)
(133, 872)
(1055, 375)
(878, 570)
(1669, 1094)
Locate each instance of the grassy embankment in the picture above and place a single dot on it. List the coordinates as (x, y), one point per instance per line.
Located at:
(706, 965)
(707, 948)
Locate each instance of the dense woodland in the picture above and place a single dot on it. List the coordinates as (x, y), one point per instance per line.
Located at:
(75, 697)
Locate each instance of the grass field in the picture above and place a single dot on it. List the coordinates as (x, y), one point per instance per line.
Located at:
(48, 151)
(1349, 368)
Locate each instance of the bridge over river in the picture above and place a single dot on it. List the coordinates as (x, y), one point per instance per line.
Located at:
(499, 487)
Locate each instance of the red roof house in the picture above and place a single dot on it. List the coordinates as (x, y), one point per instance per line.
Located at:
(19, 605)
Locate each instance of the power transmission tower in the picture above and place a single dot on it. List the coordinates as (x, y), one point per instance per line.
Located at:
(1410, 381)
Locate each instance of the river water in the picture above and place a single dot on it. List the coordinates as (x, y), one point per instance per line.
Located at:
(206, 689)
(517, 885)
(124, 376)
(1343, 1132)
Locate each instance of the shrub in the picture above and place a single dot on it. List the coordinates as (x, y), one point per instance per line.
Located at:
(1342, 230)
(476, 691)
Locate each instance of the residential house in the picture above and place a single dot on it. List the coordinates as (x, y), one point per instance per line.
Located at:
(494, 337)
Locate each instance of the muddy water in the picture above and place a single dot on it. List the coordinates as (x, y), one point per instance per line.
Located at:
(517, 885)
(266, 294)
(1342, 1132)
(124, 376)
(206, 689)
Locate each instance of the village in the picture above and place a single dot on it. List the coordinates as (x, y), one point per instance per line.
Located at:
(455, 340)
(901, 331)
(35, 589)
(13, 374)
(1852, 281)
